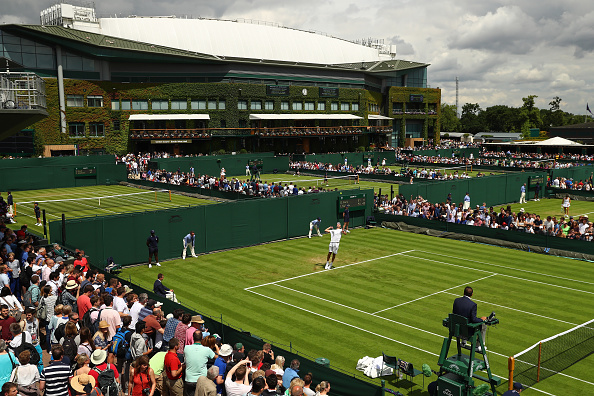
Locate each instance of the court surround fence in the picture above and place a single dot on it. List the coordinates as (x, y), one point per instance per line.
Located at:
(217, 227)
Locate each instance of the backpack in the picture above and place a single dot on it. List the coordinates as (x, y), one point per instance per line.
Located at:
(106, 381)
(88, 323)
(25, 346)
(70, 348)
(28, 297)
(60, 332)
(119, 346)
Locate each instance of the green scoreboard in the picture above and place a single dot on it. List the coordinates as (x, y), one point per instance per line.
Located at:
(85, 172)
(354, 201)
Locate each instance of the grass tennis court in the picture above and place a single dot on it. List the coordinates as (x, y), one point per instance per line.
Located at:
(389, 292)
(85, 201)
(552, 207)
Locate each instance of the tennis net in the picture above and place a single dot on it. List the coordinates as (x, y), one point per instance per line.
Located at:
(552, 355)
(96, 204)
(330, 181)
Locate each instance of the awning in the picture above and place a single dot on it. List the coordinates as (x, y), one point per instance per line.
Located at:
(155, 117)
(378, 117)
(257, 117)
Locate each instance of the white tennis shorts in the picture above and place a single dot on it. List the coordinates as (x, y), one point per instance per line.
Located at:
(333, 248)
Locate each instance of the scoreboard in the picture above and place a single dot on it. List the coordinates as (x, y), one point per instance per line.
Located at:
(85, 172)
(355, 202)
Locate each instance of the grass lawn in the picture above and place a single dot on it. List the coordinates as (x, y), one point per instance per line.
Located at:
(389, 292)
(73, 202)
(461, 169)
(552, 207)
(342, 183)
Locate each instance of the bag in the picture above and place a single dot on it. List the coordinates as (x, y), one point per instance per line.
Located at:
(119, 346)
(60, 331)
(146, 391)
(41, 313)
(28, 297)
(25, 346)
(88, 323)
(106, 381)
(70, 348)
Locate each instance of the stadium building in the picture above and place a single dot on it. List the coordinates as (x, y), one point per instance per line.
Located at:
(202, 85)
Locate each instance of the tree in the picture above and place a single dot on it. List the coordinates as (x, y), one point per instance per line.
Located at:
(500, 118)
(472, 119)
(448, 119)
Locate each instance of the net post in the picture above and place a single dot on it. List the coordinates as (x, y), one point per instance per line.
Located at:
(63, 229)
(511, 364)
(357, 178)
(169, 195)
(155, 195)
(539, 356)
(44, 224)
(15, 212)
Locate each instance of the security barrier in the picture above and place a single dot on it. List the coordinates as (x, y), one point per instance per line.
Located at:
(60, 172)
(217, 227)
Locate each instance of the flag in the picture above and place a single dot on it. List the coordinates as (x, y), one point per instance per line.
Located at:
(588, 108)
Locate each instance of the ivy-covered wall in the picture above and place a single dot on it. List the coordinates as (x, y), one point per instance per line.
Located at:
(116, 139)
(431, 102)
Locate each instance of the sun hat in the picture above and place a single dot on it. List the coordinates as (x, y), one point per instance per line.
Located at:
(103, 325)
(98, 356)
(225, 350)
(71, 284)
(82, 381)
(197, 319)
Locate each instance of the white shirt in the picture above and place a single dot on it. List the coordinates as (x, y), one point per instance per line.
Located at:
(26, 375)
(335, 235)
(134, 311)
(119, 304)
(235, 389)
(17, 341)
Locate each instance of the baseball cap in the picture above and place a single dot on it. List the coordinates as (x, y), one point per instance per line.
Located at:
(238, 346)
(152, 231)
(518, 385)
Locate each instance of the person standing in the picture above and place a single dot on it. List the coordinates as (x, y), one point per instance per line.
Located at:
(346, 216)
(335, 235)
(315, 223)
(196, 356)
(172, 382)
(566, 204)
(466, 205)
(37, 214)
(523, 193)
(152, 243)
(10, 203)
(189, 240)
(54, 378)
(537, 192)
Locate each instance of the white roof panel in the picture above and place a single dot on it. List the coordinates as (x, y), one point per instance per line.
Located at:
(378, 117)
(304, 117)
(240, 40)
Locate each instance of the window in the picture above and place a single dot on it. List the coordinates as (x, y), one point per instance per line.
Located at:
(269, 105)
(309, 106)
(96, 129)
(355, 107)
(321, 106)
(74, 101)
(160, 105)
(256, 105)
(242, 105)
(139, 105)
(344, 107)
(334, 106)
(222, 104)
(115, 104)
(76, 129)
(116, 124)
(297, 106)
(179, 104)
(284, 105)
(126, 104)
(199, 105)
(95, 101)
(212, 104)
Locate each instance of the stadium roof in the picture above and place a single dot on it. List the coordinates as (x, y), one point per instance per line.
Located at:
(378, 117)
(557, 141)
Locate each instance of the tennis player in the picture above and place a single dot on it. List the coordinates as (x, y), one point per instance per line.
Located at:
(335, 235)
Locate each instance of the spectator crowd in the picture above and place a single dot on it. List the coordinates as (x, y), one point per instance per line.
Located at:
(65, 330)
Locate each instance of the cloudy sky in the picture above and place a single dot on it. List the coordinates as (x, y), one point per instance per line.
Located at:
(500, 50)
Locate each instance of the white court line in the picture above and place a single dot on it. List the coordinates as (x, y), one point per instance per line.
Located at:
(324, 272)
(518, 310)
(380, 335)
(432, 294)
(508, 276)
(344, 323)
(511, 268)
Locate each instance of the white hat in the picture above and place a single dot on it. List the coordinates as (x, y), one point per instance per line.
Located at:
(98, 356)
(225, 350)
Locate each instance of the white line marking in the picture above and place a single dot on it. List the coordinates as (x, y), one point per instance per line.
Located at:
(432, 294)
(508, 276)
(324, 272)
(511, 268)
(344, 323)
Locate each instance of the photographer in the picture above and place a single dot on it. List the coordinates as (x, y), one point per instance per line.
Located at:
(241, 385)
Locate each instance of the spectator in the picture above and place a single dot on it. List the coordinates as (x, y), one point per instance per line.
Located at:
(138, 344)
(70, 294)
(34, 289)
(101, 338)
(111, 316)
(258, 385)
(307, 379)
(31, 325)
(9, 389)
(142, 377)
(280, 362)
(98, 358)
(323, 388)
(180, 332)
(85, 384)
(157, 363)
(54, 377)
(7, 362)
(271, 385)
(14, 266)
(195, 357)
(137, 306)
(119, 303)
(196, 325)
(291, 373)
(172, 322)
(268, 354)
(82, 363)
(221, 362)
(83, 302)
(172, 381)
(26, 376)
(124, 357)
(205, 385)
(241, 385)
(296, 387)
(69, 343)
(238, 352)
(5, 321)
(15, 309)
